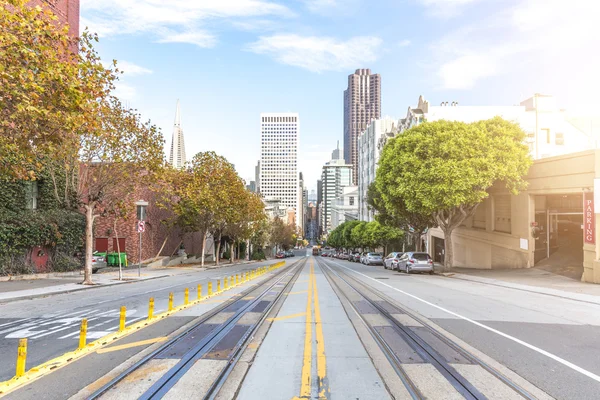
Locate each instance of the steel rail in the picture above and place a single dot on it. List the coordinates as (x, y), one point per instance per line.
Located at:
(171, 342)
(169, 379)
(466, 354)
(243, 342)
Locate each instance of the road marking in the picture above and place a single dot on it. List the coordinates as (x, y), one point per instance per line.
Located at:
(286, 317)
(300, 292)
(305, 382)
(507, 336)
(130, 345)
(321, 359)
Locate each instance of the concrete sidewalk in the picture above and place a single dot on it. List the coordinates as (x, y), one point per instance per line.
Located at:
(41, 285)
(531, 280)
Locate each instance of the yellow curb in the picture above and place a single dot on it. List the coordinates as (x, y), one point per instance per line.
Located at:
(60, 361)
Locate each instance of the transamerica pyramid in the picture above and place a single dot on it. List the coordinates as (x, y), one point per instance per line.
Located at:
(177, 156)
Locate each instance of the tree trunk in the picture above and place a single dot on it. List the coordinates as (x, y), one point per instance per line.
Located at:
(248, 253)
(202, 249)
(238, 251)
(417, 238)
(89, 238)
(231, 252)
(118, 249)
(448, 251)
(161, 248)
(218, 252)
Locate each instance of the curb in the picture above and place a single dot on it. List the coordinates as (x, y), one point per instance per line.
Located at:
(37, 296)
(527, 288)
(43, 369)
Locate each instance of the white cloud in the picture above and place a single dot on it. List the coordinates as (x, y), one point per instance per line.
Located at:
(125, 92)
(131, 69)
(184, 21)
(525, 34)
(318, 54)
(404, 43)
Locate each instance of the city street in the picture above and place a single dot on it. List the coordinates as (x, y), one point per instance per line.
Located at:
(51, 324)
(321, 338)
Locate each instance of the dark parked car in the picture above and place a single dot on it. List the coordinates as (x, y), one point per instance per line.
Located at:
(415, 262)
(391, 261)
(355, 257)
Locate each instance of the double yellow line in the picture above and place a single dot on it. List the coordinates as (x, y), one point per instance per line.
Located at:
(306, 380)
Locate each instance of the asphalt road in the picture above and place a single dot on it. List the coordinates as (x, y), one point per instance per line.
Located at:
(552, 342)
(51, 323)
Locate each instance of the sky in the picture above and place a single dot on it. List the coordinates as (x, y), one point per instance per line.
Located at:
(229, 60)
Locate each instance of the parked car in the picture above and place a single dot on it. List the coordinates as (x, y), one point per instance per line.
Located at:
(391, 261)
(281, 254)
(373, 259)
(355, 257)
(290, 253)
(98, 262)
(415, 262)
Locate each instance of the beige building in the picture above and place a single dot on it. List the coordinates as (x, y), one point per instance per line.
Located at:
(553, 222)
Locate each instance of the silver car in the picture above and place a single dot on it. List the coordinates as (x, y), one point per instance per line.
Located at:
(415, 262)
(391, 261)
(373, 259)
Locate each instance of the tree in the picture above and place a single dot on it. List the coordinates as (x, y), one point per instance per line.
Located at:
(394, 213)
(282, 234)
(378, 235)
(359, 235)
(48, 90)
(445, 168)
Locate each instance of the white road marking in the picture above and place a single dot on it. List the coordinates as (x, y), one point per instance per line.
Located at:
(507, 336)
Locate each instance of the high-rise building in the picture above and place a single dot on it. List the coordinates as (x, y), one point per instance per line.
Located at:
(335, 175)
(369, 151)
(362, 103)
(301, 207)
(177, 155)
(335, 155)
(278, 157)
(251, 186)
(257, 176)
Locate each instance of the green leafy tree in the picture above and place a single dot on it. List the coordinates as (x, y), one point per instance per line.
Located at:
(359, 235)
(394, 213)
(445, 168)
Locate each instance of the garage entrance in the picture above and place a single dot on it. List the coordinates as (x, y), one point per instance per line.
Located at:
(559, 234)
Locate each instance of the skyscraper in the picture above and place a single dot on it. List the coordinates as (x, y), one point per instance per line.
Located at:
(257, 176)
(334, 177)
(177, 155)
(278, 158)
(335, 155)
(362, 103)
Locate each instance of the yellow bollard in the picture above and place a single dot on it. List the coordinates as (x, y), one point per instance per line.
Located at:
(218, 286)
(232, 281)
(186, 296)
(151, 308)
(210, 288)
(199, 292)
(21, 357)
(171, 301)
(226, 284)
(237, 279)
(122, 317)
(83, 333)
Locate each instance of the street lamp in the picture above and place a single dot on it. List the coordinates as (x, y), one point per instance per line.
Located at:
(141, 227)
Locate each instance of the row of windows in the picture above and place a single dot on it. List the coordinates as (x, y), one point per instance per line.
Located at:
(279, 119)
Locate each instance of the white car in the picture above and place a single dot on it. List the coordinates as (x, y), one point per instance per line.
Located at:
(97, 263)
(415, 262)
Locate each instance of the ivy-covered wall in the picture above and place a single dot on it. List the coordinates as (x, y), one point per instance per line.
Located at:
(58, 231)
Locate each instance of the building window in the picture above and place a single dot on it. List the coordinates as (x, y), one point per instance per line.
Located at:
(547, 130)
(559, 139)
(31, 195)
(502, 213)
(351, 200)
(479, 216)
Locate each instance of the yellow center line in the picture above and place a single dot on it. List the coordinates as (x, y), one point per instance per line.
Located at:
(321, 359)
(305, 385)
(286, 317)
(130, 345)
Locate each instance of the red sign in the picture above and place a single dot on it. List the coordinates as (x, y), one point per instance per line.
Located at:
(589, 218)
(141, 227)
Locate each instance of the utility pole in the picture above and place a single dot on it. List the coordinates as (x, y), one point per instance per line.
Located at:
(141, 216)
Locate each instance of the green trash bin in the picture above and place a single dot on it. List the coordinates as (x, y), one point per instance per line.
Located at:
(111, 259)
(123, 257)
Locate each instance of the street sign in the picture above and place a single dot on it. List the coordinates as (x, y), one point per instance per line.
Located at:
(141, 226)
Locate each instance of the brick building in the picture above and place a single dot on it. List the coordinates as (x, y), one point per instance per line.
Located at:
(153, 237)
(67, 12)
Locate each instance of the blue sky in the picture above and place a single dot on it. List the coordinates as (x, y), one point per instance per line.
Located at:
(229, 60)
